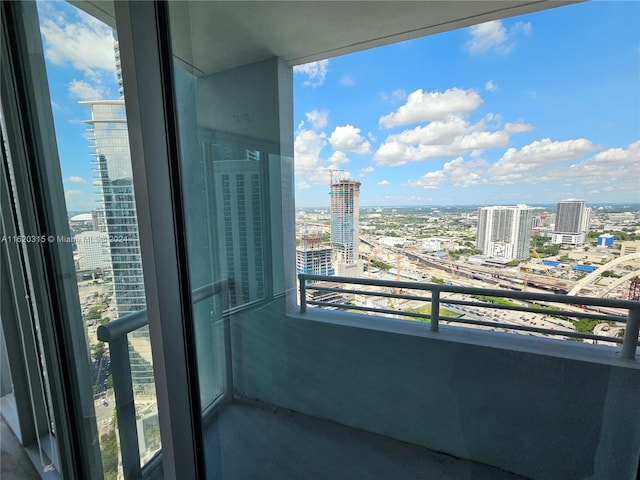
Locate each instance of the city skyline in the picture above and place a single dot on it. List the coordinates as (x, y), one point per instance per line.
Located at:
(520, 110)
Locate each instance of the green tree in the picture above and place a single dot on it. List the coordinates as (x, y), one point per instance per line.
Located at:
(152, 436)
(97, 351)
(609, 273)
(109, 453)
(381, 265)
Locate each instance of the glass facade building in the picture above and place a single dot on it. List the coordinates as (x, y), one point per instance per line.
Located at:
(107, 130)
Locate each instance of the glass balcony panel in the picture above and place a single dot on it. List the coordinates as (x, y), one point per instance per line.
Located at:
(85, 86)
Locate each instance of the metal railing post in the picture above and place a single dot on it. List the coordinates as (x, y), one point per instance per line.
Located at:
(303, 293)
(226, 319)
(125, 408)
(630, 342)
(435, 310)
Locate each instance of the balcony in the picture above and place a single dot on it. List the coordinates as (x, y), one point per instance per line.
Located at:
(315, 389)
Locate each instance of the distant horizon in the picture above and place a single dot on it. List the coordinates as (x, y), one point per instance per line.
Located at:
(476, 205)
(636, 205)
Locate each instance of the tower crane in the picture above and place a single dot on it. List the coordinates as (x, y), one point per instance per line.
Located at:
(544, 267)
(331, 170)
(453, 272)
(525, 281)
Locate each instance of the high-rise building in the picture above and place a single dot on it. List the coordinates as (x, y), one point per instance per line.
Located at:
(238, 189)
(99, 221)
(572, 222)
(345, 220)
(238, 185)
(108, 132)
(505, 232)
(93, 250)
(313, 257)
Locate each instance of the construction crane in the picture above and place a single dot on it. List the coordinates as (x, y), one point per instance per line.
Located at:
(453, 272)
(525, 281)
(371, 255)
(331, 170)
(544, 267)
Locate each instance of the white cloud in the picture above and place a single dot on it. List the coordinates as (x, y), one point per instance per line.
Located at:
(347, 81)
(86, 91)
(457, 172)
(448, 134)
(440, 133)
(316, 72)
(517, 127)
(464, 174)
(383, 182)
(303, 185)
(338, 158)
(490, 86)
(307, 147)
(616, 167)
(318, 118)
(431, 106)
(438, 140)
(516, 165)
(347, 138)
(86, 45)
(545, 161)
(82, 43)
(69, 193)
(74, 179)
(429, 180)
(365, 171)
(394, 97)
(493, 37)
(487, 36)
(521, 27)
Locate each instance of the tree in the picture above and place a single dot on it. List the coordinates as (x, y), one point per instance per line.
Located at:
(609, 273)
(109, 453)
(381, 265)
(152, 436)
(97, 351)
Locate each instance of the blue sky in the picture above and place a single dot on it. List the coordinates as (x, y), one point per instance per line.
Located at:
(531, 109)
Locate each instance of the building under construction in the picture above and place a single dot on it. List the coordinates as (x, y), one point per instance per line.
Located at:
(313, 257)
(345, 220)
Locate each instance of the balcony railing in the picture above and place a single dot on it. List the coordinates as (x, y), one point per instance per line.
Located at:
(331, 293)
(115, 334)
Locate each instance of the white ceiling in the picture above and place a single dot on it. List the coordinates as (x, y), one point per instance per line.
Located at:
(304, 31)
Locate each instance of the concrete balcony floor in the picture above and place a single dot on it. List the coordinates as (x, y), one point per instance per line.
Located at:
(251, 440)
(14, 461)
